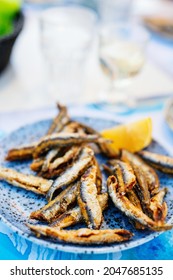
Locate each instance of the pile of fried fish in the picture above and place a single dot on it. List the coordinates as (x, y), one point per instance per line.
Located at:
(68, 174)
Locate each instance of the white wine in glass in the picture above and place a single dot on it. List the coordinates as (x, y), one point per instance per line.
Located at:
(121, 56)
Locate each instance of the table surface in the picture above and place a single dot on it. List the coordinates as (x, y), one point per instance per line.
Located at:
(23, 102)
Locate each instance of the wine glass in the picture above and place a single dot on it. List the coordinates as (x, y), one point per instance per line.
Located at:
(121, 57)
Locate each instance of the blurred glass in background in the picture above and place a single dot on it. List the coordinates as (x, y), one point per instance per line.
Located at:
(67, 32)
(114, 10)
(108, 10)
(122, 56)
(66, 38)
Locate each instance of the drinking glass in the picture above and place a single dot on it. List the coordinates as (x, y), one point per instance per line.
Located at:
(121, 57)
(114, 10)
(66, 39)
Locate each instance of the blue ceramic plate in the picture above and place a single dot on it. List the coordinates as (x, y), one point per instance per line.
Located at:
(16, 204)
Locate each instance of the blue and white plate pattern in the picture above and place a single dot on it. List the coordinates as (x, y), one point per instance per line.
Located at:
(16, 204)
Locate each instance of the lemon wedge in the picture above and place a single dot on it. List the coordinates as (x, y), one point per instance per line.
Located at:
(132, 136)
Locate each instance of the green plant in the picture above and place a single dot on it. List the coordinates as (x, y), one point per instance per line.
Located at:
(8, 10)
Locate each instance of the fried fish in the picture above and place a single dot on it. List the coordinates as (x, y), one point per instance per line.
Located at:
(83, 235)
(73, 172)
(27, 182)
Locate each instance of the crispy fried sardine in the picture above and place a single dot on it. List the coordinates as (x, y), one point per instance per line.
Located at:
(142, 183)
(124, 204)
(51, 155)
(73, 127)
(103, 146)
(28, 182)
(72, 153)
(63, 139)
(36, 164)
(158, 207)
(74, 215)
(73, 172)
(124, 174)
(83, 235)
(87, 198)
(21, 153)
(161, 162)
(132, 196)
(98, 176)
(57, 206)
(60, 120)
(149, 174)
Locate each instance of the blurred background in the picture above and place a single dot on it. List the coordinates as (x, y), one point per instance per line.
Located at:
(61, 50)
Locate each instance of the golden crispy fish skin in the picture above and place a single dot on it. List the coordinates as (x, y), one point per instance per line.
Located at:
(160, 162)
(83, 235)
(62, 139)
(72, 153)
(124, 204)
(149, 173)
(142, 184)
(158, 207)
(25, 181)
(87, 198)
(68, 218)
(73, 127)
(21, 153)
(124, 174)
(103, 146)
(60, 120)
(132, 196)
(53, 174)
(87, 129)
(59, 205)
(98, 176)
(36, 164)
(74, 215)
(73, 172)
(51, 155)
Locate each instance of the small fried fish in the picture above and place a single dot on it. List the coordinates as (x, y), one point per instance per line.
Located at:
(149, 173)
(74, 215)
(160, 162)
(59, 121)
(21, 153)
(57, 206)
(142, 183)
(132, 196)
(63, 139)
(37, 164)
(27, 182)
(83, 235)
(51, 155)
(103, 146)
(98, 176)
(124, 174)
(73, 172)
(124, 204)
(158, 207)
(87, 198)
(72, 153)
